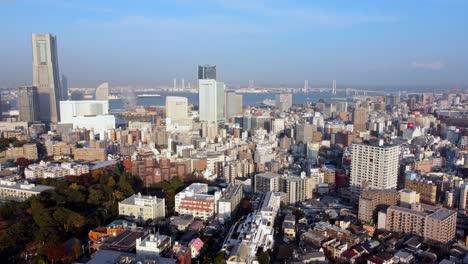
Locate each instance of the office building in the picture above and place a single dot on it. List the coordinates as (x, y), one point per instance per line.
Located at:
(102, 92)
(372, 201)
(28, 103)
(431, 222)
(360, 119)
(211, 100)
(142, 208)
(64, 87)
(89, 114)
(69, 109)
(234, 106)
(207, 72)
(176, 107)
(283, 102)
(374, 164)
(46, 76)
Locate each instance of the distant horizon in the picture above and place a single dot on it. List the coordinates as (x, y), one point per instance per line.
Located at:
(363, 45)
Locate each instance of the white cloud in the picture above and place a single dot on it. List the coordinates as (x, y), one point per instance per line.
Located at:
(434, 66)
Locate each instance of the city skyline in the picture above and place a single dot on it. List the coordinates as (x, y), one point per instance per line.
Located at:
(394, 45)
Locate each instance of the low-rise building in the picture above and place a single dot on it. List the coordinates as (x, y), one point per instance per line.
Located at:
(53, 170)
(196, 246)
(142, 208)
(195, 201)
(20, 191)
(289, 227)
(152, 245)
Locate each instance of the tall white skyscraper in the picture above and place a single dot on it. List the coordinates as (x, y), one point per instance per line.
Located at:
(375, 164)
(233, 104)
(211, 100)
(46, 76)
(176, 107)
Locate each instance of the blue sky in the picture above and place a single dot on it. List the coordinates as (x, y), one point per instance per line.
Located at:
(366, 43)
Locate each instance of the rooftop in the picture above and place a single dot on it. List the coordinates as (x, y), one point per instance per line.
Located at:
(230, 191)
(26, 186)
(269, 175)
(138, 199)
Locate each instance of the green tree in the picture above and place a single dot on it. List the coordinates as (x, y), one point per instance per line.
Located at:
(111, 182)
(207, 260)
(95, 197)
(68, 219)
(220, 258)
(263, 258)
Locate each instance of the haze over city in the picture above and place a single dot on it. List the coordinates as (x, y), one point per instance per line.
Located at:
(362, 44)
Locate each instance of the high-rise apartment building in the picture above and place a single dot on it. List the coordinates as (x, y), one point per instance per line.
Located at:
(211, 100)
(207, 72)
(431, 222)
(427, 189)
(297, 188)
(28, 103)
(46, 76)
(375, 164)
(233, 105)
(267, 182)
(360, 119)
(176, 107)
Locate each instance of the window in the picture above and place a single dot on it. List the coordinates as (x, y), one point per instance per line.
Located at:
(41, 52)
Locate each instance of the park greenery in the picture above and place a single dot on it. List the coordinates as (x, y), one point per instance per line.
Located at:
(78, 204)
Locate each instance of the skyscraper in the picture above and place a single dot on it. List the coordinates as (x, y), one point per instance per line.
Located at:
(211, 100)
(176, 107)
(28, 104)
(206, 72)
(233, 104)
(283, 102)
(64, 87)
(359, 119)
(46, 76)
(375, 164)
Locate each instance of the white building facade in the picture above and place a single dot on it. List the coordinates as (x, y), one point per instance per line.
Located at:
(211, 100)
